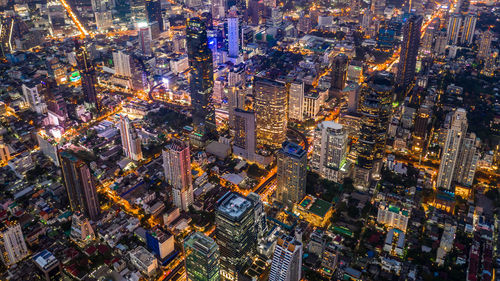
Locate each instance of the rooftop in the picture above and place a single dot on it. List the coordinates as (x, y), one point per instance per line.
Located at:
(234, 205)
(293, 149)
(45, 259)
(201, 243)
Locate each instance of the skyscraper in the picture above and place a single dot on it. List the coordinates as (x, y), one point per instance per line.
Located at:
(287, 260)
(153, 11)
(260, 214)
(441, 42)
(409, 50)
(233, 30)
(202, 258)
(79, 184)
(468, 157)
(330, 150)
(177, 166)
(235, 232)
(144, 34)
(485, 45)
(271, 111)
(244, 136)
(455, 133)
(375, 108)
(468, 29)
(87, 73)
(201, 76)
(296, 101)
(339, 71)
(292, 172)
(12, 245)
(131, 142)
(453, 30)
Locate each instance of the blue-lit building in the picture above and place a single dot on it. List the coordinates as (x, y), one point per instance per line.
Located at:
(48, 264)
(292, 172)
(160, 242)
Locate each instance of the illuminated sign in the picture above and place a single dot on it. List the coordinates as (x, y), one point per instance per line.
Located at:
(75, 76)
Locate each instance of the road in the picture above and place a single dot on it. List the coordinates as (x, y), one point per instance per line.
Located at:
(75, 19)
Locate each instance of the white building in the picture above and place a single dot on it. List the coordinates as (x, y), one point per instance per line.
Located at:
(296, 101)
(31, 93)
(393, 216)
(144, 261)
(177, 167)
(122, 64)
(131, 142)
(12, 245)
(287, 260)
(329, 150)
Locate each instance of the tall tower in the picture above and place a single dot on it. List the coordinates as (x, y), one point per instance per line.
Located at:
(409, 50)
(287, 260)
(454, 136)
(145, 39)
(153, 11)
(233, 38)
(202, 258)
(235, 232)
(375, 108)
(177, 166)
(330, 150)
(79, 184)
(87, 73)
(296, 101)
(468, 29)
(202, 74)
(12, 245)
(292, 172)
(271, 111)
(244, 136)
(453, 30)
(485, 45)
(131, 142)
(467, 161)
(339, 71)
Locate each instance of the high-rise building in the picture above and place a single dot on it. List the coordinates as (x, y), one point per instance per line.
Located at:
(218, 9)
(131, 142)
(468, 157)
(291, 175)
(468, 29)
(138, 11)
(201, 79)
(160, 242)
(485, 45)
(462, 6)
(48, 264)
(153, 11)
(375, 108)
(144, 34)
(79, 184)
(233, 36)
(202, 258)
(287, 260)
(455, 133)
(235, 232)
(409, 50)
(329, 150)
(271, 111)
(260, 214)
(296, 101)
(441, 42)
(87, 73)
(453, 30)
(339, 71)
(420, 128)
(12, 245)
(177, 166)
(244, 136)
(428, 39)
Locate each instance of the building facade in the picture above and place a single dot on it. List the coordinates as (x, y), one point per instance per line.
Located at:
(291, 174)
(202, 258)
(329, 150)
(12, 245)
(177, 167)
(286, 264)
(409, 50)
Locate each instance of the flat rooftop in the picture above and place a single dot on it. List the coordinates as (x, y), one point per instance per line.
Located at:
(293, 149)
(233, 205)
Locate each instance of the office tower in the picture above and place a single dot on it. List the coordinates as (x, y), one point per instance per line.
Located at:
(131, 142)
(453, 30)
(102, 12)
(287, 260)
(160, 242)
(153, 11)
(233, 36)
(79, 184)
(296, 101)
(409, 50)
(468, 29)
(123, 64)
(485, 45)
(375, 107)
(144, 35)
(81, 230)
(236, 75)
(177, 166)
(339, 71)
(468, 157)
(441, 42)
(87, 73)
(127, 66)
(202, 258)
(420, 128)
(12, 245)
(218, 9)
(235, 232)
(271, 111)
(244, 136)
(201, 79)
(260, 214)
(292, 172)
(138, 11)
(329, 150)
(48, 264)
(428, 40)
(454, 136)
